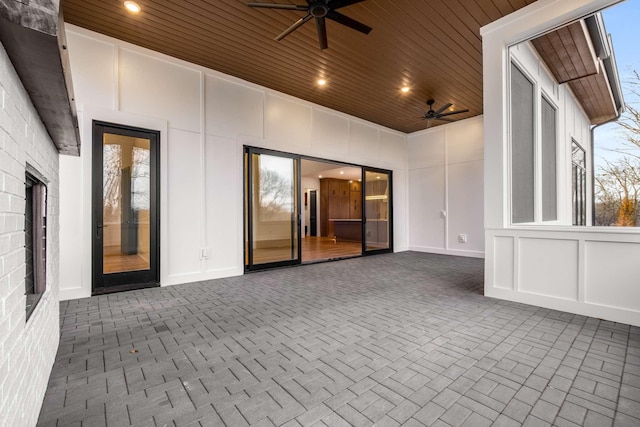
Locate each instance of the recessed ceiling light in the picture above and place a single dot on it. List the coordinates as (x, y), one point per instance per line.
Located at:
(341, 172)
(405, 89)
(377, 177)
(321, 82)
(132, 6)
(319, 176)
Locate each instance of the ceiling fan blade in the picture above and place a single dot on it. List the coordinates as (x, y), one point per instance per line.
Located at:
(294, 27)
(424, 113)
(454, 112)
(349, 22)
(321, 26)
(337, 4)
(278, 6)
(444, 107)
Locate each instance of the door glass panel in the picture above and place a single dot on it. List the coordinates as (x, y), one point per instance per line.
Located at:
(126, 203)
(377, 210)
(275, 227)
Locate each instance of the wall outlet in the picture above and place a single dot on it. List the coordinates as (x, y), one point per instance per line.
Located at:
(462, 238)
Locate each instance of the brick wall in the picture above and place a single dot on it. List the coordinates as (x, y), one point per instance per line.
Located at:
(27, 348)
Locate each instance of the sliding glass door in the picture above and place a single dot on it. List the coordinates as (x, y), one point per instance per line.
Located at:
(378, 211)
(272, 204)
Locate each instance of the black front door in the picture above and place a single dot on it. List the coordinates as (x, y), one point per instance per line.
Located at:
(125, 206)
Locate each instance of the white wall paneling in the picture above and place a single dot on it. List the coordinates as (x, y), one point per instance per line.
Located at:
(233, 109)
(445, 189)
(592, 272)
(598, 252)
(205, 119)
(154, 87)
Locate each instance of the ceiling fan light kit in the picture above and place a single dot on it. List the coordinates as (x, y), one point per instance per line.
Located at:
(319, 10)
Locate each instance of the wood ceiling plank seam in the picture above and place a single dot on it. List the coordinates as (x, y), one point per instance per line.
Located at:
(446, 54)
(550, 57)
(572, 50)
(471, 36)
(475, 11)
(564, 58)
(490, 9)
(470, 21)
(587, 54)
(417, 54)
(517, 4)
(458, 39)
(503, 6)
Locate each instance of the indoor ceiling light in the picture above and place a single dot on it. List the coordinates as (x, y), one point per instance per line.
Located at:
(341, 172)
(322, 82)
(405, 89)
(319, 176)
(132, 6)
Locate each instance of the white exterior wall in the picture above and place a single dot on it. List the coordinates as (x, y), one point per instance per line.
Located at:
(445, 175)
(27, 348)
(205, 118)
(586, 270)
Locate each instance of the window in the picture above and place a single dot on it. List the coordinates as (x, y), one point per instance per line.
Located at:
(522, 147)
(35, 227)
(548, 163)
(579, 184)
(534, 195)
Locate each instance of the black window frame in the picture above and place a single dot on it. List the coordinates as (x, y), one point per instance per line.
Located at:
(35, 231)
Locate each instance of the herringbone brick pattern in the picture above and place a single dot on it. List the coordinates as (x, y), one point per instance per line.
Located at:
(399, 339)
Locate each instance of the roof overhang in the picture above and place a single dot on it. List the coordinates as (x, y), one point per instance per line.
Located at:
(33, 36)
(581, 54)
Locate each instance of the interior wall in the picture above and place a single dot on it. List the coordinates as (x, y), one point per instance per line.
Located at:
(207, 117)
(591, 271)
(27, 346)
(445, 189)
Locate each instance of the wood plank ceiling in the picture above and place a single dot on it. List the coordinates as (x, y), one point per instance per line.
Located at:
(570, 56)
(432, 46)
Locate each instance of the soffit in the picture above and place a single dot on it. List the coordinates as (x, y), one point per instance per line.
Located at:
(569, 54)
(433, 46)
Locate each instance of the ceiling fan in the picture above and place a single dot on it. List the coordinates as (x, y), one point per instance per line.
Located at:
(439, 114)
(318, 9)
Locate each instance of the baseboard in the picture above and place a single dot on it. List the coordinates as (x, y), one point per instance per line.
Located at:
(441, 251)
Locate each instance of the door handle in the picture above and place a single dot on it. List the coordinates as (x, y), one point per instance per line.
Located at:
(99, 228)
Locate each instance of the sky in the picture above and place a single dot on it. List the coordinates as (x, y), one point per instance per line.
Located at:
(621, 21)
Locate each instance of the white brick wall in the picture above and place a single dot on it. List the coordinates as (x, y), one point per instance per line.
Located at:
(27, 349)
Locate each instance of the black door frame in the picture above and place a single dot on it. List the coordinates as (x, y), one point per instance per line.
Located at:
(248, 206)
(366, 251)
(115, 282)
(248, 209)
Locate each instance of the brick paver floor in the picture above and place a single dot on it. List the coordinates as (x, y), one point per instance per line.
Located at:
(398, 339)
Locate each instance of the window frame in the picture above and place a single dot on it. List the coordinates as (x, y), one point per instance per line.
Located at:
(37, 191)
(539, 94)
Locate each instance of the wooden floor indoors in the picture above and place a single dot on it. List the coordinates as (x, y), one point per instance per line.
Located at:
(116, 262)
(313, 249)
